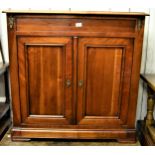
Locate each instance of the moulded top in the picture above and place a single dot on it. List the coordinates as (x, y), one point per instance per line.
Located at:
(77, 12)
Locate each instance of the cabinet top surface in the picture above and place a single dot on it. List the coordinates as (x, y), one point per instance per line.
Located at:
(76, 12)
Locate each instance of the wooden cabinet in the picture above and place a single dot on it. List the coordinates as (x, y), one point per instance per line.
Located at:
(74, 74)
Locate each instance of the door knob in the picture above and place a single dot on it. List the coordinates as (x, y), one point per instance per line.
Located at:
(80, 83)
(68, 83)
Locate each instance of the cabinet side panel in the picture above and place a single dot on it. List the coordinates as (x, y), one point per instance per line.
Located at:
(13, 60)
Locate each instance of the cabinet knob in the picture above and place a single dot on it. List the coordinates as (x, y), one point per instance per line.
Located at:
(80, 83)
(68, 83)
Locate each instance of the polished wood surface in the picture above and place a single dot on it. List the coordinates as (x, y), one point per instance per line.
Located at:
(76, 12)
(75, 75)
(45, 96)
(70, 24)
(101, 66)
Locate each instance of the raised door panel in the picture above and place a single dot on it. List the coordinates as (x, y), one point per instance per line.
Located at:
(45, 64)
(104, 69)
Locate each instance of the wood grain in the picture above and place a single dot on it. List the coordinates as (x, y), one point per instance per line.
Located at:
(104, 65)
(42, 83)
(69, 24)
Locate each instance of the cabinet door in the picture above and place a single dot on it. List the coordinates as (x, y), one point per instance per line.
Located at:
(104, 70)
(45, 77)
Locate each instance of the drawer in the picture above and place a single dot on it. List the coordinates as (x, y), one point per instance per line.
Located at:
(80, 25)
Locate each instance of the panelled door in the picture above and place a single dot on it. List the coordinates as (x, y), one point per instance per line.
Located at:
(45, 77)
(104, 69)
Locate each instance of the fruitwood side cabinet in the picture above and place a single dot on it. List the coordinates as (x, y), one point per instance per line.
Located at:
(74, 74)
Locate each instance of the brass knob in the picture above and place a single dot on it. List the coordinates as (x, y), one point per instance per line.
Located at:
(80, 83)
(68, 83)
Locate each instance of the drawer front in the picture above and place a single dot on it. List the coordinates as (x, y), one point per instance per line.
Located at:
(75, 24)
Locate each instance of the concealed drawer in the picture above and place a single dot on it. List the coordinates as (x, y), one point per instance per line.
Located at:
(81, 25)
